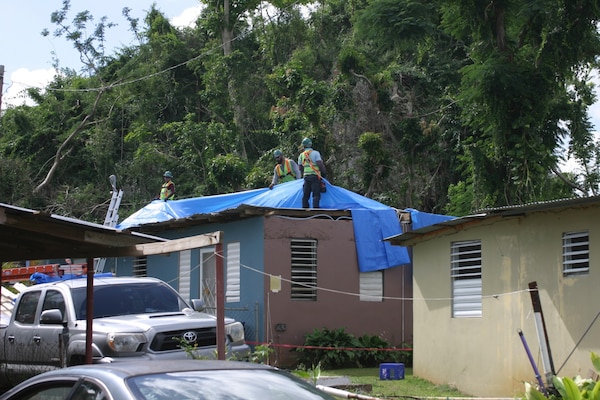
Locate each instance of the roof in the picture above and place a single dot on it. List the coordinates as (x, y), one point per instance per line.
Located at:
(32, 235)
(486, 216)
(372, 220)
(286, 196)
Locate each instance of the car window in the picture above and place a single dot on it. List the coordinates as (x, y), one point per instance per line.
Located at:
(113, 300)
(62, 390)
(54, 300)
(46, 391)
(228, 384)
(27, 306)
(88, 391)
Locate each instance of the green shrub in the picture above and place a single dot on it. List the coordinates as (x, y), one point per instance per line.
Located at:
(339, 349)
(370, 357)
(330, 357)
(577, 388)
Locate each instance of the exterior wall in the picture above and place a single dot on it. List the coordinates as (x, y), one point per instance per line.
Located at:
(339, 306)
(485, 356)
(249, 233)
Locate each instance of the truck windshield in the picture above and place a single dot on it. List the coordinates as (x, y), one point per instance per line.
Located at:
(120, 299)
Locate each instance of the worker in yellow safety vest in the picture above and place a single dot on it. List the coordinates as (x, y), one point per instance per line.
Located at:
(167, 190)
(313, 169)
(286, 170)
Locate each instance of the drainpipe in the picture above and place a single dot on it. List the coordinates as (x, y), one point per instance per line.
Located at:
(406, 226)
(220, 302)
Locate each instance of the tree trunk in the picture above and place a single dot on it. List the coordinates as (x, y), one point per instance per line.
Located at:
(238, 112)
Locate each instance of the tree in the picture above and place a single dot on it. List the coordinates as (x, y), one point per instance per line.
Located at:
(529, 61)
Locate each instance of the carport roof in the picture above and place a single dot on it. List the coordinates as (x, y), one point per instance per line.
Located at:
(31, 235)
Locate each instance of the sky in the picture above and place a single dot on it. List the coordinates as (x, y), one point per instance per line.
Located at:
(27, 55)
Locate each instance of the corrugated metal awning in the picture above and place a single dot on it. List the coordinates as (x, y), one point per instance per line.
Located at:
(32, 235)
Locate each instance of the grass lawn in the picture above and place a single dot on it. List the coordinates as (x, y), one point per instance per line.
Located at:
(410, 386)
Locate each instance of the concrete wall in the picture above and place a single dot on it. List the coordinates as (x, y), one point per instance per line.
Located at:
(485, 356)
(338, 306)
(265, 246)
(249, 233)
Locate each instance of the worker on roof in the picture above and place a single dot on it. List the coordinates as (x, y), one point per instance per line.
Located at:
(313, 169)
(167, 190)
(286, 170)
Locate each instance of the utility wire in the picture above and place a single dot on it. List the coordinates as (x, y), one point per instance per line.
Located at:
(148, 76)
(579, 342)
(354, 294)
(493, 296)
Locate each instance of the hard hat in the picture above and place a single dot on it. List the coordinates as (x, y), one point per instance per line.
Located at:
(168, 174)
(306, 142)
(277, 153)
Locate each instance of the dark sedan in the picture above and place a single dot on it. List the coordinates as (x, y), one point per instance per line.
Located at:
(166, 380)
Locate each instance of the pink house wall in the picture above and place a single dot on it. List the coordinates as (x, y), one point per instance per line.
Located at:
(338, 306)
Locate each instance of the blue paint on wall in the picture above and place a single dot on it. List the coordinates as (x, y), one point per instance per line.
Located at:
(250, 234)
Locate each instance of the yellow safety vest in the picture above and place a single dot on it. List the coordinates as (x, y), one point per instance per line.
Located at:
(309, 167)
(284, 172)
(165, 193)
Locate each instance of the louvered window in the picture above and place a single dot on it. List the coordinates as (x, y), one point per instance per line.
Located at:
(466, 279)
(304, 269)
(371, 286)
(232, 292)
(185, 272)
(576, 253)
(140, 266)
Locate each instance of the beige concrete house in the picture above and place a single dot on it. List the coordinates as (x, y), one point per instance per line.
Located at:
(471, 286)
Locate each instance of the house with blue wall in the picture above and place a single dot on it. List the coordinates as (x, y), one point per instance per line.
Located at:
(288, 270)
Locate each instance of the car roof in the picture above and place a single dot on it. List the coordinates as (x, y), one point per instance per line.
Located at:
(110, 280)
(127, 369)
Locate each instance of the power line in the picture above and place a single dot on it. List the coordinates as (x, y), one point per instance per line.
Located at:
(151, 75)
(353, 294)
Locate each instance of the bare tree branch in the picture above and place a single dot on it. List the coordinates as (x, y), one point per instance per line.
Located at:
(61, 153)
(568, 181)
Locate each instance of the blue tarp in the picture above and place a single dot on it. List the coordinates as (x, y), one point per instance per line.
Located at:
(372, 221)
(419, 219)
(39, 277)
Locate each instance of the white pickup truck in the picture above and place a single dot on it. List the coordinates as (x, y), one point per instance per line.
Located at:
(133, 318)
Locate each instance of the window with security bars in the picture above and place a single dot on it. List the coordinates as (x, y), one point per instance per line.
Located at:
(140, 266)
(576, 253)
(371, 286)
(466, 279)
(232, 290)
(304, 269)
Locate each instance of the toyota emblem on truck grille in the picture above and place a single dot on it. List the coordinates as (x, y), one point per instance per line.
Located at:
(190, 337)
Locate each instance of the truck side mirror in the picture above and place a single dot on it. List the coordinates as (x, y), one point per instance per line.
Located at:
(198, 305)
(51, 317)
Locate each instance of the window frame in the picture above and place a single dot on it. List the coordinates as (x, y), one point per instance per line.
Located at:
(303, 269)
(466, 275)
(233, 273)
(371, 286)
(576, 251)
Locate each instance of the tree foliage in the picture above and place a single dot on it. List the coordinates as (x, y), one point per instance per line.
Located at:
(446, 106)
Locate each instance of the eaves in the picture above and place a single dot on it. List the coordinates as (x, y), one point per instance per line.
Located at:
(487, 217)
(239, 213)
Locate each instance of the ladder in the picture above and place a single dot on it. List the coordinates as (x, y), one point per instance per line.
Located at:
(112, 216)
